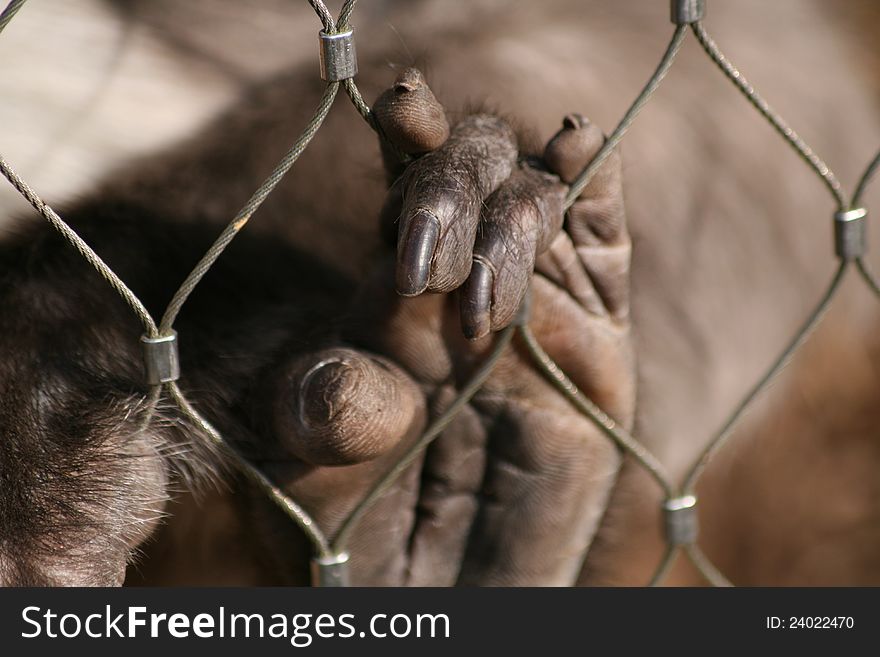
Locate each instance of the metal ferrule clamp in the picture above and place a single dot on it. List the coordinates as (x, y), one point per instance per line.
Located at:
(161, 359)
(681, 520)
(849, 233)
(338, 56)
(687, 11)
(330, 570)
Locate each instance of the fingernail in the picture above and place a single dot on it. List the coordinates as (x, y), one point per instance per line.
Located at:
(409, 80)
(415, 253)
(312, 407)
(574, 121)
(476, 302)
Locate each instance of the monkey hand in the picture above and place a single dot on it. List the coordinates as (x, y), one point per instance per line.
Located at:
(512, 490)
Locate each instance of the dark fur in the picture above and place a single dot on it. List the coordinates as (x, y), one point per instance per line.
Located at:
(72, 382)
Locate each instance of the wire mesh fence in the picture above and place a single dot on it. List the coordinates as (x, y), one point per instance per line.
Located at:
(679, 507)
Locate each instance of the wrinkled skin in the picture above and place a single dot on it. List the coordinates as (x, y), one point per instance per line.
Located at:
(393, 283)
(510, 493)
